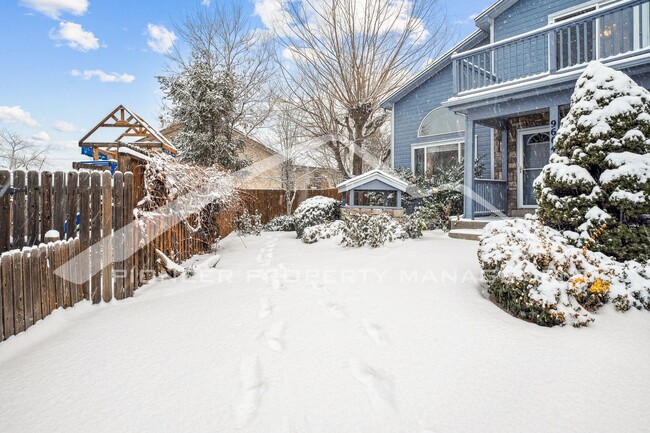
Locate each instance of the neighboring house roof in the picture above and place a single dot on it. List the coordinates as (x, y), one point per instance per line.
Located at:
(172, 131)
(483, 19)
(370, 176)
(442, 61)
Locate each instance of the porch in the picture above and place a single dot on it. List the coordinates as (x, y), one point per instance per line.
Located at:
(522, 146)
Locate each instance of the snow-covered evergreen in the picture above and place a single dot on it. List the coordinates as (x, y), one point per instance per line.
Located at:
(601, 165)
(314, 211)
(202, 99)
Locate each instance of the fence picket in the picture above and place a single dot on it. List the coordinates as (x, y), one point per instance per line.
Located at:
(19, 292)
(33, 207)
(118, 237)
(84, 229)
(27, 288)
(95, 235)
(58, 216)
(8, 294)
(5, 211)
(35, 277)
(19, 209)
(73, 203)
(107, 228)
(46, 203)
(128, 233)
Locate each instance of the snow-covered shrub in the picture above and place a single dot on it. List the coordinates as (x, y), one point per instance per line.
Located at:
(282, 223)
(314, 211)
(601, 166)
(372, 230)
(321, 231)
(436, 198)
(413, 224)
(536, 274)
(248, 224)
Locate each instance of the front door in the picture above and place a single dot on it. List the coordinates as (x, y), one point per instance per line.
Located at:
(533, 151)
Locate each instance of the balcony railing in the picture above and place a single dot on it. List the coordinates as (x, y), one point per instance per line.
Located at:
(609, 32)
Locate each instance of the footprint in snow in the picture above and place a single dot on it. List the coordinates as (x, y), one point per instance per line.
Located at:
(337, 310)
(252, 387)
(274, 336)
(375, 332)
(266, 309)
(379, 385)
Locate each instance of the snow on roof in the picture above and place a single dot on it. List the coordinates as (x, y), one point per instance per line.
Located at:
(128, 151)
(367, 177)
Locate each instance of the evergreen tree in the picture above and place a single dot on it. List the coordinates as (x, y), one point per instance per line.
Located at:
(202, 100)
(599, 172)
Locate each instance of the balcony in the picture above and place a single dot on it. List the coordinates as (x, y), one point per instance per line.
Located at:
(612, 32)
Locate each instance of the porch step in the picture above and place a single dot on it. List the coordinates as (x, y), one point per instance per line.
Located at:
(464, 224)
(468, 234)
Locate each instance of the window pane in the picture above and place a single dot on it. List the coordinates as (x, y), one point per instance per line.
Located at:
(441, 156)
(419, 161)
(441, 121)
(376, 198)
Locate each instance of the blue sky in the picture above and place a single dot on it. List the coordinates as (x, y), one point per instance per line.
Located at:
(66, 63)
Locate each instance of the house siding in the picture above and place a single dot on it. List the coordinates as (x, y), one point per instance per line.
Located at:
(412, 108)
(527, 15)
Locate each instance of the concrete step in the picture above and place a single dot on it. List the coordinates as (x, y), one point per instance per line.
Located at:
(467, 234)
(463, 224)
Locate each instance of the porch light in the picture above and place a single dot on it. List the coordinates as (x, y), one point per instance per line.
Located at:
(607, 31)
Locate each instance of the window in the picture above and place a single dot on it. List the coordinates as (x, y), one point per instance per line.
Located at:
(441, 121)
(428, 159)
(376, 198)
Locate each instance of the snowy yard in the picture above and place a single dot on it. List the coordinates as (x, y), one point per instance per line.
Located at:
(395, 339)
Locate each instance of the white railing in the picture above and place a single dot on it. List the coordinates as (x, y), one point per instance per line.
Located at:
(604, 33)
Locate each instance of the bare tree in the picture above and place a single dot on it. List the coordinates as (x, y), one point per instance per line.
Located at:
(223, 37)
(17, 153)
(346, 57)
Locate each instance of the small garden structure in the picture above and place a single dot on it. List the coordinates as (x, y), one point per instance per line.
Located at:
(373, 192)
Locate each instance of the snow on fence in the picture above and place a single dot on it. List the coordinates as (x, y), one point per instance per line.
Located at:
(85, 207)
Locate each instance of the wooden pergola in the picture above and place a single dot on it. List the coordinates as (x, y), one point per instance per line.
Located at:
(135, 132)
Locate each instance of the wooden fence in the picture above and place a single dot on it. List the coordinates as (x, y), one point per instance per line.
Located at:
(91, 208)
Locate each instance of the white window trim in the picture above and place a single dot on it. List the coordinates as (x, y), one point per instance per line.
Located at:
(520, 164)
(444, 133)
(458, 141)
(552, 18)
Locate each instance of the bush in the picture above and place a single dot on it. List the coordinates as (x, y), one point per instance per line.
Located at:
(536, 274)
(247, 224)
(438, 198)
(600, 173)
(376, 230)
(321, 231)
(314, 211)
(282, 223)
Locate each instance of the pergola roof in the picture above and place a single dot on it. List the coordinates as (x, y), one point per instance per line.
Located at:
(133, 127)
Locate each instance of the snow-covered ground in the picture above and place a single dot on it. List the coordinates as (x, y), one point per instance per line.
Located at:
(397, 339)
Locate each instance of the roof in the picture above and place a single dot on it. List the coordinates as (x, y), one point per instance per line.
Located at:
(483, 19)
(133, 125)
(370, 176)
(442, 61)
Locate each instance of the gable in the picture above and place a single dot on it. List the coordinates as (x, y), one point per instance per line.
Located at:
(527, 15)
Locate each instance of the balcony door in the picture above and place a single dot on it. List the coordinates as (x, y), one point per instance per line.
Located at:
(533, 151)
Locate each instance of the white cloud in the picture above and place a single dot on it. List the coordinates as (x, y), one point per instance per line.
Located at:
(161, 39)
(41, 136)
(75, 36)
(63, 126)
(205, 2)
(54, 8)
(15, 114)
(272, 14)
(104, 77)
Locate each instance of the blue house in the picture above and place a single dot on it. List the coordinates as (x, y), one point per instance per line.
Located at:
(495, 100)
